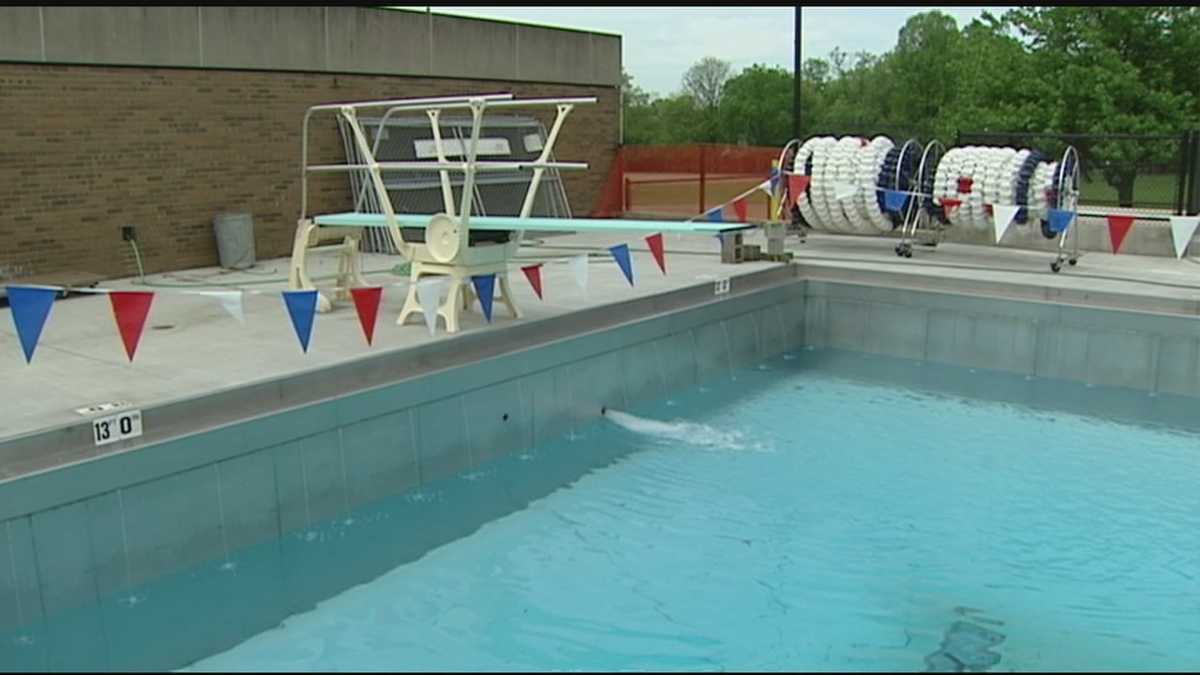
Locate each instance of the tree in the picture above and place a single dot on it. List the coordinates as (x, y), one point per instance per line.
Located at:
(1114, 70)
(755, 107)
(705, 80)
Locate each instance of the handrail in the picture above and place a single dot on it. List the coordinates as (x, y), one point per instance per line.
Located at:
(458, 166)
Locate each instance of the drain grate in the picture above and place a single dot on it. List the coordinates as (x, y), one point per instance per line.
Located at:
(966, 647)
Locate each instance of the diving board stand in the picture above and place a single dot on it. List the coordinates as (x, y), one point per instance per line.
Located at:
(454, 244)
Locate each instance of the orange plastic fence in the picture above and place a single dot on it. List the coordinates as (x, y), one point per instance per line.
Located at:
(683, 180)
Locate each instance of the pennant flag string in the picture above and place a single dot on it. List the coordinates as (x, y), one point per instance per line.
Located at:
(1182, 229)
(30, 306)
(534, 274)
(655, 242)
(485, 289)
(1118, 227)
(130, 309)
(1059, 219)
(579, 270)
(301, 307)
(621, 253)
(429, 293)
(366, 305)
(1002, 218)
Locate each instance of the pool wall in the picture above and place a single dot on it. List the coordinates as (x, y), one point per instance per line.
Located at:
(254, 468)
(80, 540)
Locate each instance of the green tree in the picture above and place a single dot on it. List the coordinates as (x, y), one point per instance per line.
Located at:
(638, 118)
(756, 107)
(1114, 70)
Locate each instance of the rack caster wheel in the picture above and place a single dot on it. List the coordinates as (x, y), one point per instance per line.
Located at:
(899, 250)
(1055, 267)
(908, 253)
(1073, 261)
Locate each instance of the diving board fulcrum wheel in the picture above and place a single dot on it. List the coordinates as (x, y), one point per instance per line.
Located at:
(442, 238)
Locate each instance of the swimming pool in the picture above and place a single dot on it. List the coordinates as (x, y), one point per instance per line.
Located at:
(792, 516)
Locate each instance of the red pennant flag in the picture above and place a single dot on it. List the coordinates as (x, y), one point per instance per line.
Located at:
(130, 309)
(796, 187)
(739, 208)
(366, 303)
(534, 274)
(949, 205)
(655, 241)
(965, 184)
(1118, 227)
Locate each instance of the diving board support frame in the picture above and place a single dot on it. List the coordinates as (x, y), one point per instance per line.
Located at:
(447, 250)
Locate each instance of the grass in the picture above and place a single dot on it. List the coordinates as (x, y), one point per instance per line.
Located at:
(1149, 191)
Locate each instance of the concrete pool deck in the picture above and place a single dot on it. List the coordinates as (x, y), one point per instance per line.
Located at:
(191, 348)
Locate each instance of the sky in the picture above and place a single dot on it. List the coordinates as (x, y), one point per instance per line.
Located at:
(660, 43)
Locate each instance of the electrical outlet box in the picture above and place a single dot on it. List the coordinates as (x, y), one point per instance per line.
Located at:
(128, 233)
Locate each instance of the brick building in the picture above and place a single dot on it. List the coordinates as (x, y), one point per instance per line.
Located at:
(163, 117)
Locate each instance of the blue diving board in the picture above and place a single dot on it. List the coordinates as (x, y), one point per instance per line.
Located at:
(504, 223)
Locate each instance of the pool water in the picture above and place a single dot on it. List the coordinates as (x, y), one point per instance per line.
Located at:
(795, 518)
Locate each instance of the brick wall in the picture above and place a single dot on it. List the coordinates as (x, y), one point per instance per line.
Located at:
(85, 150)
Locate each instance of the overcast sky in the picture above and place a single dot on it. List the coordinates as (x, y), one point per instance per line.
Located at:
(659, 43)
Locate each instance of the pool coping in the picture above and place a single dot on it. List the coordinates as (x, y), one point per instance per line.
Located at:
(70, 444)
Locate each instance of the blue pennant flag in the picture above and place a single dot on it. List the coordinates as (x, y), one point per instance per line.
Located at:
(715, 216)
(1060, 220)
(485, 288)
(893, 200)
(30, 307)
(774, 179)
(621, 253)
(301, 306)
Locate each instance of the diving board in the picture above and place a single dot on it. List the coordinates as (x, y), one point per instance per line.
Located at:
(447, 249)
(505, 223)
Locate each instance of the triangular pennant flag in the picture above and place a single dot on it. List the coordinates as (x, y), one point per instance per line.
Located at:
(739, 208)
(1118, 227)
(366, 303)
(30, 307)
(301, 307)
(774, 180)
(621, 253)
(655, 241)
(844, 191)
(893, 200)
(797, 186)
(1002, 218)
(130, 309)
(429, 293)
(767, 186)
(534, 274)
(579, 270)
(231, 301)
(965, 184)
(1059, 219)
(948, 205)
(1182, 229)
(715, 216)
(485, 288)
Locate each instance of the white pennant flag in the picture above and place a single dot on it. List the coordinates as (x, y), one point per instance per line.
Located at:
(844, 191)
(1182, 229)
(1002, 218)
(230, 300)
(429, 293)
(579, 270)
(765, 186)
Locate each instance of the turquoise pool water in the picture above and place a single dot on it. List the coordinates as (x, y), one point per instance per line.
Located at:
(792, 517)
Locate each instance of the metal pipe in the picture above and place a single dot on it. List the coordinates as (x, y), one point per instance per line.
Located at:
(434, 100)
(460, 166)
